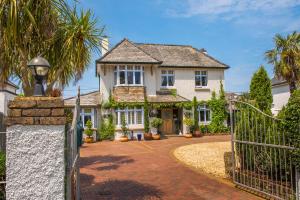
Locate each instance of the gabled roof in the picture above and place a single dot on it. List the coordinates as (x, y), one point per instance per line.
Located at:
(89, 99)
(165, 54)
(127, 52)
(181, 56)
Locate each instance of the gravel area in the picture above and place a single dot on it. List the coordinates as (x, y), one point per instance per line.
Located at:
(209, 158)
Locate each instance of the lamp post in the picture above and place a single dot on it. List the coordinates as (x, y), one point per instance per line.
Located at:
(39, 67)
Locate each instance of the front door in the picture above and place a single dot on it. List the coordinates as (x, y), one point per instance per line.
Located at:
(167, 117)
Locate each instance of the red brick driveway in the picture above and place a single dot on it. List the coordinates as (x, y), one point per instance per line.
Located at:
(147, 170)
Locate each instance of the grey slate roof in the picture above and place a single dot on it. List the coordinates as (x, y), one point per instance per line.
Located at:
(167, 55)
(276, 81)
(88, 99)
(127, 52)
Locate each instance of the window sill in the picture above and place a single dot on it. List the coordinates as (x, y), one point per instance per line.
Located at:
(131, 127)
(202, 88)
(167, 87)
(128, 85)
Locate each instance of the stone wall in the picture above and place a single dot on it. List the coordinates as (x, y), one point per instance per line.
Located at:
(129, 93)
(35, 149)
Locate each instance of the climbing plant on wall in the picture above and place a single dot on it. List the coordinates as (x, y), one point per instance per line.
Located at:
(219, 114)
(196, 114)
(146, 115)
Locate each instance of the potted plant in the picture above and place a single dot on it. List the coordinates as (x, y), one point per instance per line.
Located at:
(155, 124)
(89, 132)
(147, 133)
(124, 137)
(189, 124)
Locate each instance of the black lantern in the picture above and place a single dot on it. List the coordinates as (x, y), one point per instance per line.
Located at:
(39, 68)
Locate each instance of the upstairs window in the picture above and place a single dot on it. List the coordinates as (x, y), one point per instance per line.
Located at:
(200, 78)
(167, 78)
(128, 75)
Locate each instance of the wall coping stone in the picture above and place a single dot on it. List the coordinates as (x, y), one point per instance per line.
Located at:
(36, 111)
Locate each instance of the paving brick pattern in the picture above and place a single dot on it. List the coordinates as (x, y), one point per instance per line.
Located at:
(148, 170)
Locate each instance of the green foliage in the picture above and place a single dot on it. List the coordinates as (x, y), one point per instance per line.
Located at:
(196, 114)
(173, 92)
(285, 58)
(218, 112)
(54, 29)
(261, 90)
(69, 115)
(2, 164)
(189, 122)
(291, 125)
(107, 129)
(156, 122)
(88, 131)
(146, 116)
(124, 126)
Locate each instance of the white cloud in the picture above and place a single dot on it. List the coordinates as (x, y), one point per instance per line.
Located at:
(236, 7)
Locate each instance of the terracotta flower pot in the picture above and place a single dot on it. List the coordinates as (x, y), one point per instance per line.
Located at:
(197, 134)
(156, 137)
(89, 139)
(148, 136)
(124, 139)
(188, 135)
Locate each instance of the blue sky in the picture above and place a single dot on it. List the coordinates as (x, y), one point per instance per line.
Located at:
(235, 32)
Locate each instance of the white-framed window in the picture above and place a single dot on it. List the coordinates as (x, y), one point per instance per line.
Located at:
(200, 78)
(87, 114)
(133, 116)
(204, 114)
(128, 75)
(167, 78)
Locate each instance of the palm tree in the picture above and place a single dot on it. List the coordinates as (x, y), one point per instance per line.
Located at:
(63, 35)
(286, 58)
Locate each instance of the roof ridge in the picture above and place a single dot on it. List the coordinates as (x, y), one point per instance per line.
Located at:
(143, 51)
(161, 44)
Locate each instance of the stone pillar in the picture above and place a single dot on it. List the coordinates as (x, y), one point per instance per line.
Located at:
(35, 148)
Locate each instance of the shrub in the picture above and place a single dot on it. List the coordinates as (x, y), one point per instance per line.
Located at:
(219, 113)
(291, 125)
(156, 122)
(107, 129)
(2, 164)
(261, 90)
(189, 123)
(146, 116)
(196, 114)
(124, 126)
(88, 131)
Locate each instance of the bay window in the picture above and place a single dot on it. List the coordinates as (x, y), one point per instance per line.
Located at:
(167, 78)
(128, 75)
(204, 114)
(200, 78)
(133, 116)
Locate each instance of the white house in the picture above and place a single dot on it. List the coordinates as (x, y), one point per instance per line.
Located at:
(281, 94)
(164, 74)
(7, 93)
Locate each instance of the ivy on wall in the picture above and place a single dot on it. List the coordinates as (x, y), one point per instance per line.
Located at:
(219, 114)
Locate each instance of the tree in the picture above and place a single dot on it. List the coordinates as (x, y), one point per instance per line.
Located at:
(286, 58)
(52, 29)
(261, 90)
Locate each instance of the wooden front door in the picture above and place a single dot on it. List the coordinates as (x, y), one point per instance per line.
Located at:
(167, 117)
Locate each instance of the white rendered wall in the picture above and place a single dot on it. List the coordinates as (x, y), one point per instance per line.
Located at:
(184, 81)
(281, 95)
(35, 162)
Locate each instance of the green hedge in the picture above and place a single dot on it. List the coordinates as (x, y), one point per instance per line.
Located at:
(107, 129)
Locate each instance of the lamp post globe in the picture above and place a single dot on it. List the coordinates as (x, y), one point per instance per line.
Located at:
(39, 68)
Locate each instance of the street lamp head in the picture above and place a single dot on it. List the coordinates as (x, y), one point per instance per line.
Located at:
(39, 68)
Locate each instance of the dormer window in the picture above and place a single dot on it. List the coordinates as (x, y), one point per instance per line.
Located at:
(128, 75)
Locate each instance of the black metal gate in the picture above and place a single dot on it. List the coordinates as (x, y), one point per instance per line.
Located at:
(261, 153)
